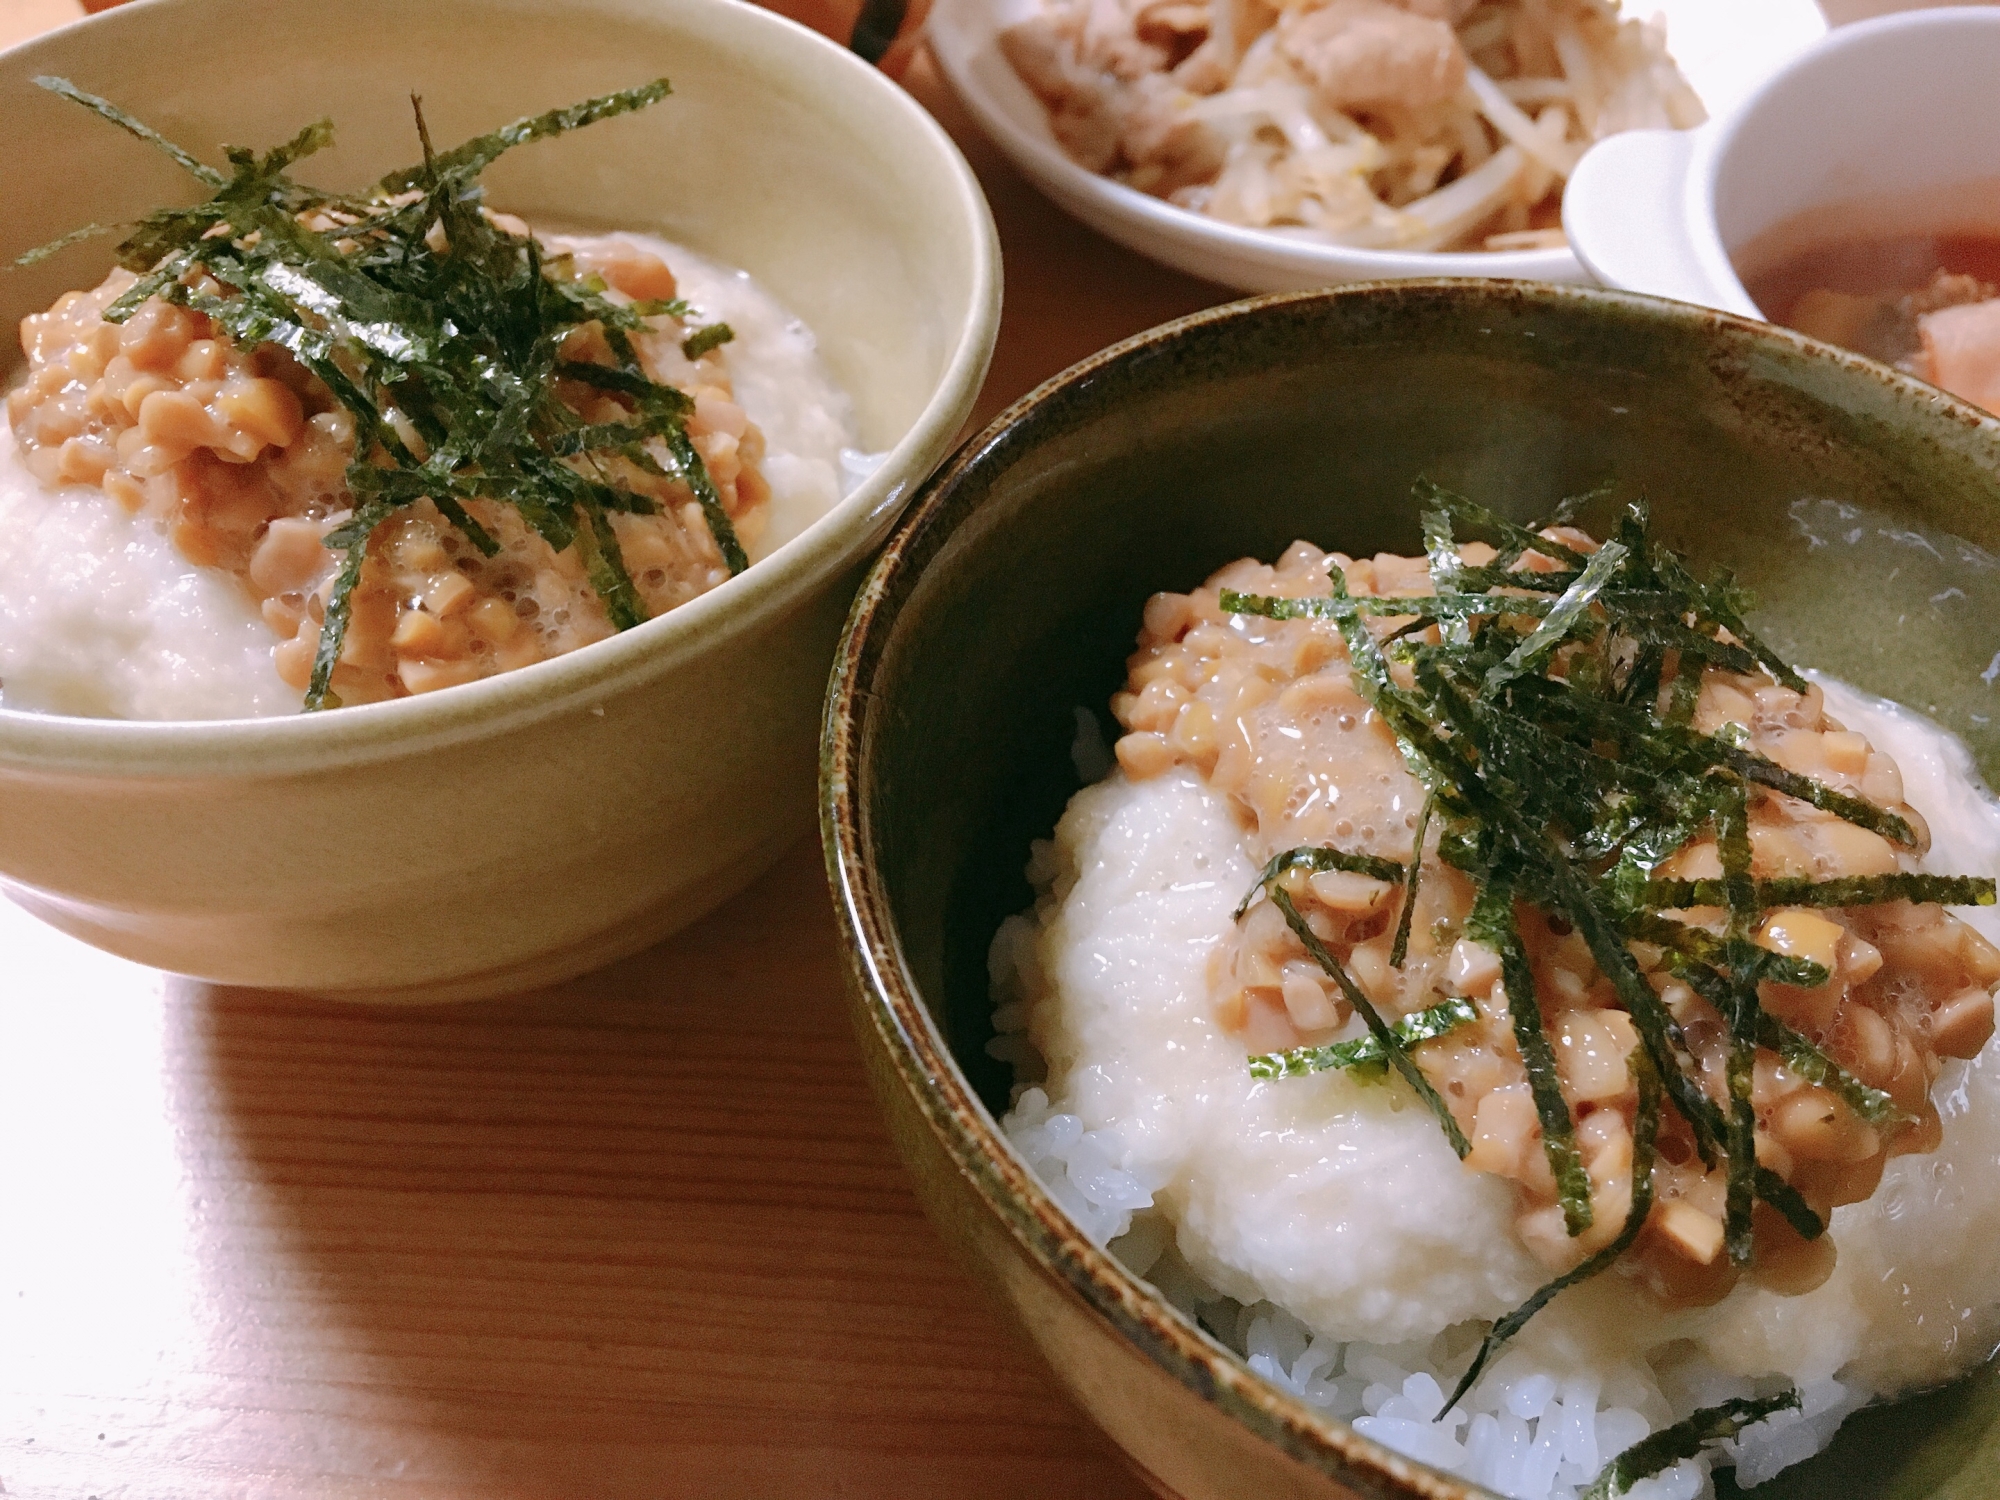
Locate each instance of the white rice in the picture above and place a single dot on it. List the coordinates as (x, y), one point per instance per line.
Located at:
(1322, 1228)
(101, 616)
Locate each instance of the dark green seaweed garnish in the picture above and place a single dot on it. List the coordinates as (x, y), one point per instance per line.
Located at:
(1740, 1009)
(1384, 1035)
(1663, 1449)
(1493, 924)
(1364, 1054)
(440, 331)
(1645, 1140)
(1813, 1065)
(712, 336)
(1847, 890)
(1399, 947)
(1386, 870)
(1549, 715)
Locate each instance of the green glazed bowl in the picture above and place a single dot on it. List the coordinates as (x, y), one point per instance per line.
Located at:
(1861, 506)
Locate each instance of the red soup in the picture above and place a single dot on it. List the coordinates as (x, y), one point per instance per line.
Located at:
(1927, 303)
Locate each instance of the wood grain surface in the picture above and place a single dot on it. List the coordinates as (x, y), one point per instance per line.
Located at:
(640, 1235)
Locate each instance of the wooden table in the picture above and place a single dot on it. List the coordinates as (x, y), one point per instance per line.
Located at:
(641, 1235)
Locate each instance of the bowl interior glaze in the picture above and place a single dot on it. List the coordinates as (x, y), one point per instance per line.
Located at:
(1861, 507)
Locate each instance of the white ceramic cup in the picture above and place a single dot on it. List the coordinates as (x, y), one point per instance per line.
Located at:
(1867, 132)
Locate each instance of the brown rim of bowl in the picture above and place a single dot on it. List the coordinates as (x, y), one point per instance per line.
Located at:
(874, 955)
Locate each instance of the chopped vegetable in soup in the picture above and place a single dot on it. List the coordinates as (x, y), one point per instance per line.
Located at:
(1929, 304)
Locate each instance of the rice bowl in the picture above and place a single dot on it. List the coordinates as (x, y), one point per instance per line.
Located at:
(931, 810)
(154, 839)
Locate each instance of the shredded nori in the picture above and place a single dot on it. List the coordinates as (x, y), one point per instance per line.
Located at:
(1847, 890)
(1493, 924)
(1385, 1037)
(1645, 1139)
(440, 332)
(712, 336)
(1663, 1449)
(1308, 858)
(1364, 1054)
(1399, 947)
(1803, 1058)
(1740, 1009)
(1554, 735)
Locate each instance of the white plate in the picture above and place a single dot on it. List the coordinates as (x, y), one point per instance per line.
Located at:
(1724, 47)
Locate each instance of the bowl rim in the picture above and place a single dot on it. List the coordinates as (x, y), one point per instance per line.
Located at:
(773, 585)
(889, 1003)
(1153, 220)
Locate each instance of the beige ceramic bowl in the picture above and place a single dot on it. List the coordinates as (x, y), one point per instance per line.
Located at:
(530, 826)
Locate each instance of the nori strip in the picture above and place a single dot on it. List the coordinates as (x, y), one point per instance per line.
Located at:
(1795, 1051)
(1645, 1136)
(1570, 507)
(1556, 626)
(713, 336)
(1667, 1447)
(1366, 1052)
(1683, 942)
(1399, 947)
(1732, 837)
(1813, 1065)
(1515, 539)
(1788, 1201)
(467, 161)
(350, 538)
(1863, 814)
(1847, 890)
(74, 237)
(1493, 923)
(695, 473)
(1313, 857)
(1723, 602)
(201, 171)
(1391, 1045)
